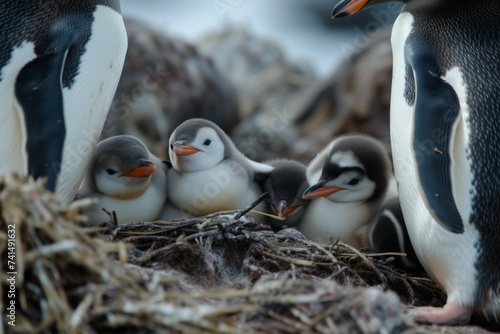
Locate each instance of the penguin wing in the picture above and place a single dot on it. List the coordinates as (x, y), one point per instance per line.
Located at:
(38, 91)
(315, 167)
(437, 115)
(260, 170)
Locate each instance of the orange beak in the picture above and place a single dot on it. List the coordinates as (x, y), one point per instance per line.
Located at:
(185, 150)
(282, 210)
(318, 190)
(288, 210)
(348, 7)
(143, 171)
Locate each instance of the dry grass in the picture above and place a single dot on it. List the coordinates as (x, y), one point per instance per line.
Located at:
(211, 274)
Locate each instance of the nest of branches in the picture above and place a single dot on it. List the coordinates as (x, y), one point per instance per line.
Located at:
(213, 274)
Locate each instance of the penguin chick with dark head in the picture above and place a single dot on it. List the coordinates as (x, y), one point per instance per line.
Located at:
(126, 178)
(209, 173)
(285, 186)
(348, 182)
(387, 233)
(445, 117)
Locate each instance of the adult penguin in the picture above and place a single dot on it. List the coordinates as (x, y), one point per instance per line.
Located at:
(444, 130)
(60, 63)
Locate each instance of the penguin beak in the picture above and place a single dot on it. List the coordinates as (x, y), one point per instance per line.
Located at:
(146, 170)
(348, 7)
(283, 209)
(180, 148)
(319, 190)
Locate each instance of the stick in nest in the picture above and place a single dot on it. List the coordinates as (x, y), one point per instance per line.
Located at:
(251, 206)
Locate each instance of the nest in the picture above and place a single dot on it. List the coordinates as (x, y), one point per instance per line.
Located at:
(213, 274)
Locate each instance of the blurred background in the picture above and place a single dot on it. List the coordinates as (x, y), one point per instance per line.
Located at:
(281, 77)
(303, 28)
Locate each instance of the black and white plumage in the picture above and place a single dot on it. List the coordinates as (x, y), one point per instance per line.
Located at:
(387, 233)
(59, 66)
(444, 129)
(348, 182)
(126, 178)
(209, 173)
(285, 185)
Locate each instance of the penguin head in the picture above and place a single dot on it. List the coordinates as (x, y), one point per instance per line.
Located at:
(197, 144)
(122, 167)
(351, 169)
(285, 185)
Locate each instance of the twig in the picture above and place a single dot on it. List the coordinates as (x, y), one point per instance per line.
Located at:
(320, 248)
(147, 257)
(385, 254)
(290, 260)
(374, 268)
(251, 206)
(268, 215)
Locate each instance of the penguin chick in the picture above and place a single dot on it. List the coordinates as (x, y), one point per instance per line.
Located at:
(348, 182)
(126, 178)
(209, 173)
(387, 233)
(285, 186)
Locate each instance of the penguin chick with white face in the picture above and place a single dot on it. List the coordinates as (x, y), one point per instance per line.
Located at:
(285, 186)
(125, 177)
(444, 133)
(348, 181)
(387, 233)
(210, 173)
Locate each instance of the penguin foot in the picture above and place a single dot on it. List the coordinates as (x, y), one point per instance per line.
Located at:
(449, 314)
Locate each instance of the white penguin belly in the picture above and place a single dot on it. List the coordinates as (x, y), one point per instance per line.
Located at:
(86, 104)
(449, 258)
(170, 212)
(207, 191)
(325, 219)
(144, 208)
(12, 149)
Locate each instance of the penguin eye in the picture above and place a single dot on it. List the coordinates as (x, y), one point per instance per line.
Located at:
(207, 142)
(110, 171)
(354, 182)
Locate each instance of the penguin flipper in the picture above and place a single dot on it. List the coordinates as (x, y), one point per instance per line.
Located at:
(38, 90)
(315, 167)
(261, 170)
(437, 114)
